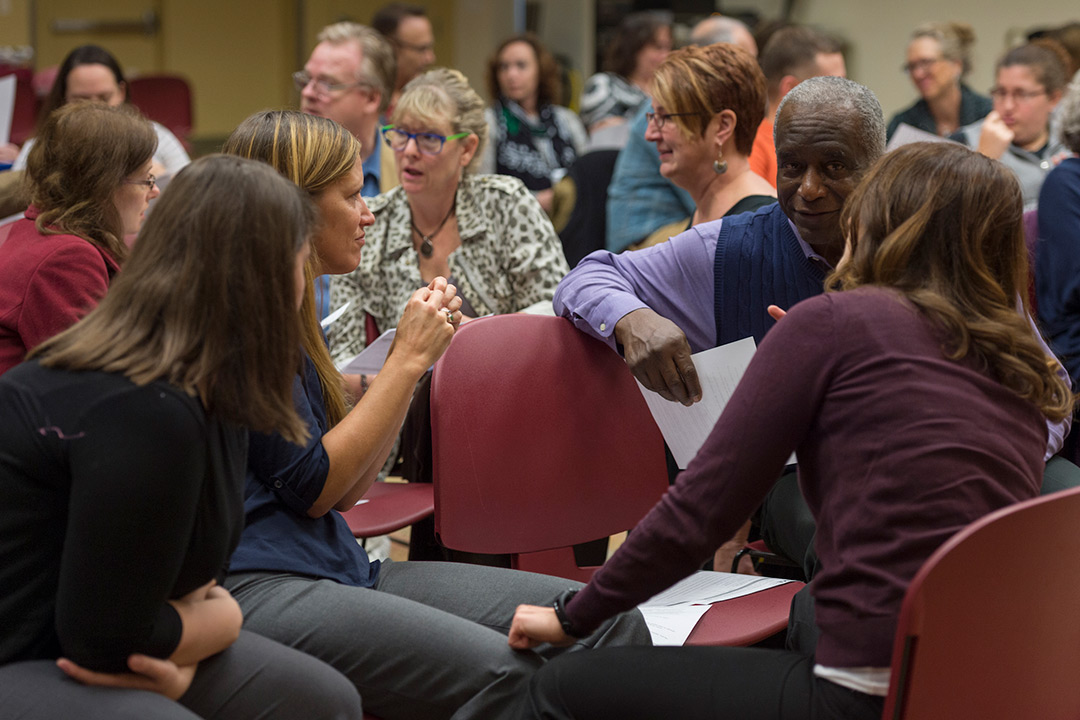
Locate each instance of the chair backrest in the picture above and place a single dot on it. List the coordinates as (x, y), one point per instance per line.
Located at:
(165, 99)
(541, 440)
(24, 116)
(990, 626)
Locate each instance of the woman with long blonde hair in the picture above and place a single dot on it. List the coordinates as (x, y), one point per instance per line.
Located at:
(917, 399)
(416, 638)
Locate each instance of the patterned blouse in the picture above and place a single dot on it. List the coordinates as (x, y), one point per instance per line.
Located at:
(510, 258)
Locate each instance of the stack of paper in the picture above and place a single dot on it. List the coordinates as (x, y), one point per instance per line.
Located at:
(672, 614)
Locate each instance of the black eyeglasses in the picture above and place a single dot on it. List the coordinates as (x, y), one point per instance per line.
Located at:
(148, 183)
(661, 118)
(427, 143)
(323, 88)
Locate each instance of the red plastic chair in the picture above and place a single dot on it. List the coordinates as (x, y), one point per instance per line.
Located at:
(990, 630)
(541, 441)
(165, 99)
(387, 507)
(24, 116)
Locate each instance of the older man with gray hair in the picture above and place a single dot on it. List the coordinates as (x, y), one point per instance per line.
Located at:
(348, 79)
(712, 284)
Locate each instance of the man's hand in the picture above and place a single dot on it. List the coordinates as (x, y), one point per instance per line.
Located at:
(995, 137)
(659, 355)
(147, 673)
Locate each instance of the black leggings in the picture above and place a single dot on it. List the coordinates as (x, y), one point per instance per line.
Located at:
(691, 683)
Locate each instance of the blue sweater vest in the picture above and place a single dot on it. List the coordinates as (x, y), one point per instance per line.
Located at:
(759, 262)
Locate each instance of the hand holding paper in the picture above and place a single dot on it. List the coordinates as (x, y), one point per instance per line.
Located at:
(659, 355)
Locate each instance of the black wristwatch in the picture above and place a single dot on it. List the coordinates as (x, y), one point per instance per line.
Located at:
(560, 613)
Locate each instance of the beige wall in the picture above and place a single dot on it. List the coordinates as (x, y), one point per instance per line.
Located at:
(878, 32)
(15, 22)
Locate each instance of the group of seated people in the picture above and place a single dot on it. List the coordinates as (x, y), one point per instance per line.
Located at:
(179, 444)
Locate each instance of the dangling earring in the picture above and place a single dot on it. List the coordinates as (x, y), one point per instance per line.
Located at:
(719, 165)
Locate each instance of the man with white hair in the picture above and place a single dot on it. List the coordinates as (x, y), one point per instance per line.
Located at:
(348, 79)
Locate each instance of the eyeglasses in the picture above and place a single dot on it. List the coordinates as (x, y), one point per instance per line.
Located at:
(919, 65)
(323, 88)
(1018, 96)
(422, 49)
(427, 143)
(661, 118)
(149, 183)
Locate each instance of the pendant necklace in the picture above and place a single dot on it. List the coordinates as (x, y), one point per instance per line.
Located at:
(426, 248)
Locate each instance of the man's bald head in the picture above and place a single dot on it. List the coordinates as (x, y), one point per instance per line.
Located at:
(717, 29)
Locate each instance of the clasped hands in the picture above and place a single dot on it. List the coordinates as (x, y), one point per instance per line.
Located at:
(160, 675)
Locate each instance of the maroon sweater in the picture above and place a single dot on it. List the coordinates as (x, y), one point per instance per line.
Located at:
(47, 283)
(898, 448)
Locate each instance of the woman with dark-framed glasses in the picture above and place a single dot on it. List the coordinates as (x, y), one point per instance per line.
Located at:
(1028, 83)
(90, 185)
(486, 233)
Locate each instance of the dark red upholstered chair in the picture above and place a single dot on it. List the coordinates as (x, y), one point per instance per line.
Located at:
(165, 99)
(541, 441)
(987, 630)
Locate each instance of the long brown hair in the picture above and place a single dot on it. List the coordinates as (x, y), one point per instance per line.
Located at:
(206, 300)
(313, 153)
(943, 225)
(549, 82)
(81, 156)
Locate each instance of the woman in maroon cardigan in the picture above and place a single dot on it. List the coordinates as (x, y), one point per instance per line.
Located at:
(916, 399)
(90, 184)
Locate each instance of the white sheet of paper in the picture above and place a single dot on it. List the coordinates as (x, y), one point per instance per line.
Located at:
(906, 134)
(707, 586)
(7, 107)
(672, 625)
(329, 319)
(371, 359)
(685, 428)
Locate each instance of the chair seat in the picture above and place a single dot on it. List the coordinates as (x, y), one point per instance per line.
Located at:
(745, 620)
(387, 507)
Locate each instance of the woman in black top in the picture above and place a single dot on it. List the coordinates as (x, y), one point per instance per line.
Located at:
(122, 462)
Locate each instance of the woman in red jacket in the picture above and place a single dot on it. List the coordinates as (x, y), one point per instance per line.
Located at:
(90, 184)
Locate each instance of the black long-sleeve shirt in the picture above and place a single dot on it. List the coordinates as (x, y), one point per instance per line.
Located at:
(114, 498)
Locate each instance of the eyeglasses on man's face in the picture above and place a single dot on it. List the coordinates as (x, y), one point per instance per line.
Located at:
(427, 143)
(323, 88)
(148, 183)
(660, 118)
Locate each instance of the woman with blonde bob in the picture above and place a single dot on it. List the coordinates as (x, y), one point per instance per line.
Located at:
(917, 406)
(486, 234)
(124, 444)
(416, 639)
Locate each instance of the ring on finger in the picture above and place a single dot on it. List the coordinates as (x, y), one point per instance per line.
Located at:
(449, 316)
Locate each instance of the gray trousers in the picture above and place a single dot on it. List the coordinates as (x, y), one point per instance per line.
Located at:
(428, 641)
(254, 679)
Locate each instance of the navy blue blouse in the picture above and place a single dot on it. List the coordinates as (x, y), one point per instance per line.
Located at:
(283, 481)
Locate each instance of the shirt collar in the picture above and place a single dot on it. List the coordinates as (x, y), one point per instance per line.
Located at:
(371, 168)
(811, 255)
